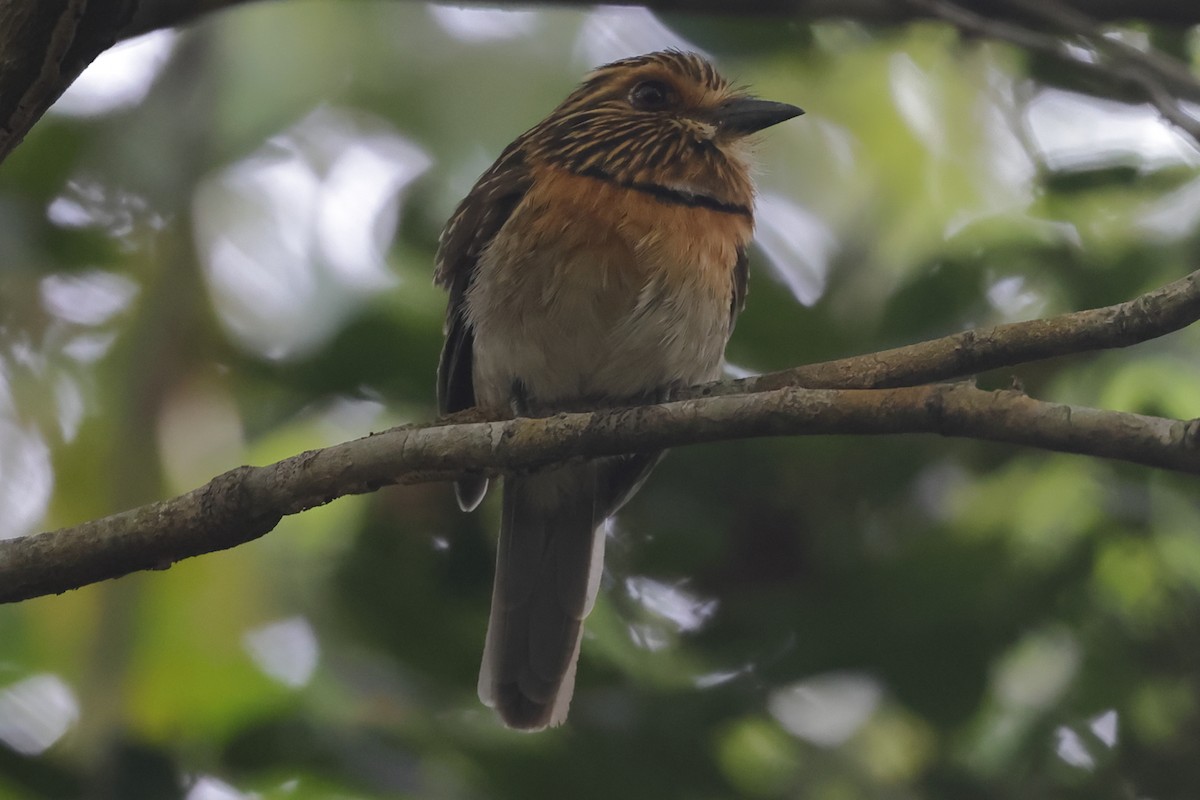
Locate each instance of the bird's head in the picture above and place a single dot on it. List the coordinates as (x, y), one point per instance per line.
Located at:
(665, 119)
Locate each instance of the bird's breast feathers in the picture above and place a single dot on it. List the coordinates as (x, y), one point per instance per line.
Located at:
(593, 290)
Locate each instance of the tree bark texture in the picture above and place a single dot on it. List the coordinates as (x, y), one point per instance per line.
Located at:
(247, 502)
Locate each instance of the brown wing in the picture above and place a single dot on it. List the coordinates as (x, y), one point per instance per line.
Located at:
(474, 223)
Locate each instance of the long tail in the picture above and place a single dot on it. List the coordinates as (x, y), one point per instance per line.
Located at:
(548, 569)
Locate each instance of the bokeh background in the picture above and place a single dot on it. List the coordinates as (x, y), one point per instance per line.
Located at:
(217, 249)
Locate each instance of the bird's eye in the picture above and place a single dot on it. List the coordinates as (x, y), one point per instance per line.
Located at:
(650, 96)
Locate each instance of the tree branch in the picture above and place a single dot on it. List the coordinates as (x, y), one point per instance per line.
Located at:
(154, 14)
(247, 502)
(1156, 313)
(1149, 77)
(45, 44)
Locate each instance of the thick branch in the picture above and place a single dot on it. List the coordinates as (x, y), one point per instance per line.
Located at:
(246, 503)
(44, 45)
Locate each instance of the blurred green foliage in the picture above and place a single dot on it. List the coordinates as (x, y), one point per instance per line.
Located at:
(203, 272)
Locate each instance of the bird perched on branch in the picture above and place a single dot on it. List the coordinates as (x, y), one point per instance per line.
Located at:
(600, 261)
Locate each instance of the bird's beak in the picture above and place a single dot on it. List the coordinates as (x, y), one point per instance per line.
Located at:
(744, 115)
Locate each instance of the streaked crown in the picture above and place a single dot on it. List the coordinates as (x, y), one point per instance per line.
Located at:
(665, 119)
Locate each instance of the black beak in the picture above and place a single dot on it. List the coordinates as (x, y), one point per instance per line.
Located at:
(745, 115)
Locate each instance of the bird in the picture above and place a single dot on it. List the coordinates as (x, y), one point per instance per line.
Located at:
(600, 261)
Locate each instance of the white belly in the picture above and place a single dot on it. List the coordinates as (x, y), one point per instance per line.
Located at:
(582, 333)
(612, 295)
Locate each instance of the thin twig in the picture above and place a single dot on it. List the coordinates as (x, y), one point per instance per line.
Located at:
(1167, 72)
(1156, 313)
(1120, 68)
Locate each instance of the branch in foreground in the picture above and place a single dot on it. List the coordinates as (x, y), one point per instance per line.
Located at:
(247, 502)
